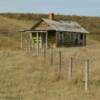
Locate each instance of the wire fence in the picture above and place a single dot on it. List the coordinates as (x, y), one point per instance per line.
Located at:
(71, 68)
(67, 66)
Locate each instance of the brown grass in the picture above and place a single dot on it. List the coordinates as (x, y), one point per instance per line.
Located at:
(24, 77)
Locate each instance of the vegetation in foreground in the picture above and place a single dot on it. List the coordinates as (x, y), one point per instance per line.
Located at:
(23, 77)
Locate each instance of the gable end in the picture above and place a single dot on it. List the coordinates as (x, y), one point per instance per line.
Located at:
(42, 25)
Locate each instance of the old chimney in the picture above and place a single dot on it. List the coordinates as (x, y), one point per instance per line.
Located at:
(51, 16)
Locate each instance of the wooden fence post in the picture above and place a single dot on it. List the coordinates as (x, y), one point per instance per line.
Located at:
(26, 45)
(86, 75)
(31, 45)
(51, 56)
(29, 48)
(44, 53)
(70, 69)
(59, 63)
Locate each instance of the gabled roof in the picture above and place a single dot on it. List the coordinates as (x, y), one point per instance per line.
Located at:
(60, 25)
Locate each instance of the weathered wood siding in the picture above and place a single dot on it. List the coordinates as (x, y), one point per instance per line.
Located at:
(42, 26)
(70, 39)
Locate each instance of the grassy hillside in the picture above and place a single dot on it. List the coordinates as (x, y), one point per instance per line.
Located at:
(92, 24)
(9, 35)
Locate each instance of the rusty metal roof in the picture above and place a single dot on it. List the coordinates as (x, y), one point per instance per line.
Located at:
(60, 25)
(69, 26)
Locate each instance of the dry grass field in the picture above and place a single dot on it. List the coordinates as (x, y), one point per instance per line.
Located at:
(27, 77)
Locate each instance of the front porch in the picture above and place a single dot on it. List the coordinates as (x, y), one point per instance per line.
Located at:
(51, 38)
(57, 39)
(44, 39)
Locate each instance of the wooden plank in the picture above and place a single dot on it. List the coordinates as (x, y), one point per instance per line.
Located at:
(30, 41)
(46, 39)
(37, 43)
(56, 39)
(35, 31)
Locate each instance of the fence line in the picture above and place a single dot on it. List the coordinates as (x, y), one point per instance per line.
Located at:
(70, 65)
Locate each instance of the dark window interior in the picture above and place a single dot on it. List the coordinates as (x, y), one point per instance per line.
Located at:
(81, 36)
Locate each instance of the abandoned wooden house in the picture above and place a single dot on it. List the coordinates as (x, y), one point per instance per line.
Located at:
(57, 33)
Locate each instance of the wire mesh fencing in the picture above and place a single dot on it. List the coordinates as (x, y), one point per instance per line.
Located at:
(68, 67)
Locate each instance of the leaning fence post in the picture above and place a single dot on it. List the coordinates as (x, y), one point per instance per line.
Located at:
(51, 56)
(86, 75)
(70, 68)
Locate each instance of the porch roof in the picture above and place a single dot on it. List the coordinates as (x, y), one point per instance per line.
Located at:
(28, 30)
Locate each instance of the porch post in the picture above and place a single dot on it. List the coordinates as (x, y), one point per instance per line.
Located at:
(85, 39)
(47, 39)
(56, 39)
(38, 43)
(30, 40)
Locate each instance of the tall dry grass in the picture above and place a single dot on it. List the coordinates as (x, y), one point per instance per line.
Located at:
(24, 77)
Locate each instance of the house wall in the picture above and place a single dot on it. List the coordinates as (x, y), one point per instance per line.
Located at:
(41, 26)
(52, 38)
(71, 39)
(58, 39)
(40, 39)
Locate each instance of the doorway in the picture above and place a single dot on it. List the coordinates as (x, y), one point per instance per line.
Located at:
(81, 39)
(42, 40)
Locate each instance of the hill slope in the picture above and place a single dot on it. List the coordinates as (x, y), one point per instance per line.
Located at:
(92, 24)
(9, 35)
(11, 23)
